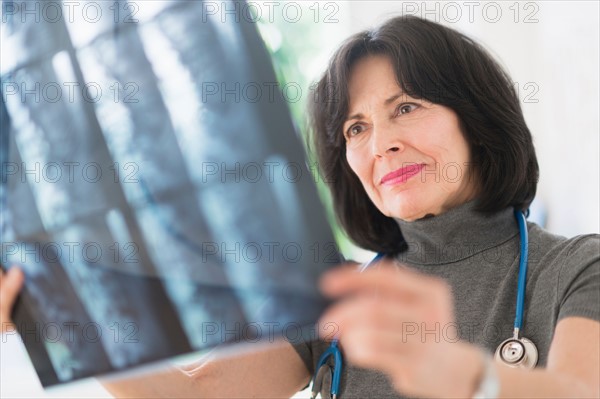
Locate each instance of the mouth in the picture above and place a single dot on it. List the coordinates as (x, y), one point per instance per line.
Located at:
(401, 175)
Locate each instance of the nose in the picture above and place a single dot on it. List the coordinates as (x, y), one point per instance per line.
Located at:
(385, 142)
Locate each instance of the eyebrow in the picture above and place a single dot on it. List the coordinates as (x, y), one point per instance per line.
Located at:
(386, 102)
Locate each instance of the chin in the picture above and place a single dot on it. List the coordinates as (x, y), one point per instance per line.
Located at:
(405, 211)
(410, 208)
(409, 204)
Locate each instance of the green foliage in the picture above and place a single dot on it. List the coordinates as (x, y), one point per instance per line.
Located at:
(291, 45)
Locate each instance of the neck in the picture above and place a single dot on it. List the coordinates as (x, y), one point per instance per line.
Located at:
(456, 234)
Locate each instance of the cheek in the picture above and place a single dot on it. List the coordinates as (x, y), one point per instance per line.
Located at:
(362, 167)
(357, 164)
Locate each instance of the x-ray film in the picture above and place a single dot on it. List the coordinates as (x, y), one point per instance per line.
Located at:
(153, 188)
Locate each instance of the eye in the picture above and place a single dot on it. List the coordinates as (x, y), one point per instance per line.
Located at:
(354, 130)
(405, 108)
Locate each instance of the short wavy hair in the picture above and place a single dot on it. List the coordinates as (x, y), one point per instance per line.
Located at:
(445, 67)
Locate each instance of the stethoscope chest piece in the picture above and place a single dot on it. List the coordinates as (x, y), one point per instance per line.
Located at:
(518, 353)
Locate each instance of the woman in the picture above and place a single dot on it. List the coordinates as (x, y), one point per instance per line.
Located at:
(423, 141)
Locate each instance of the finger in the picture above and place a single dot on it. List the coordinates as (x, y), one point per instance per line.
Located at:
(388, 352)
(412, 319)
(376, 349)
(386, 279)
(370, 310)
(11, 284)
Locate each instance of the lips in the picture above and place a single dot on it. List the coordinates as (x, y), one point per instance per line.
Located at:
(401, 175)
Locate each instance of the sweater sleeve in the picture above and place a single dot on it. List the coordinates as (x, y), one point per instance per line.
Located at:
(579, 279)
(304, 350)
(310, 352)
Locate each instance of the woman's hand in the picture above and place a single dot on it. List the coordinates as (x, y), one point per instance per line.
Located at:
(401, 322)
(10, 285)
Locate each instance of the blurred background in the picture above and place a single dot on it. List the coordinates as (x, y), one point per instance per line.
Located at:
(551, 50)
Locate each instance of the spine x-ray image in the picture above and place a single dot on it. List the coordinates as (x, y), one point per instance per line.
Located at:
(153, 188)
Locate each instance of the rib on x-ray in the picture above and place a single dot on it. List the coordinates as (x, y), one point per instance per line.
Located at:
(153, 188)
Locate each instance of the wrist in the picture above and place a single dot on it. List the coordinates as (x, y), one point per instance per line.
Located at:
(487, 384)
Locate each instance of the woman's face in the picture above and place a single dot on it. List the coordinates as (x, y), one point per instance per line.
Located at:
(410, 155)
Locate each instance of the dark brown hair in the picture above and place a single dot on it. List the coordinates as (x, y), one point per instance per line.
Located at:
(445, 67)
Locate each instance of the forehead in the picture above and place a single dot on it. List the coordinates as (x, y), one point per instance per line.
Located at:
(372, 79)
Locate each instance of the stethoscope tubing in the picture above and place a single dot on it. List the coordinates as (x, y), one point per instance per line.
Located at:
(522, 267)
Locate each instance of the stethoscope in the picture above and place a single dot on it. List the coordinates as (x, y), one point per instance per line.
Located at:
(517, 352)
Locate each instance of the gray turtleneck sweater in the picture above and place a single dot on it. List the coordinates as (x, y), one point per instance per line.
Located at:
(479, 257)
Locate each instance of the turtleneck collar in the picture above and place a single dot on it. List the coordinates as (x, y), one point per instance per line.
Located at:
(456, 234)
